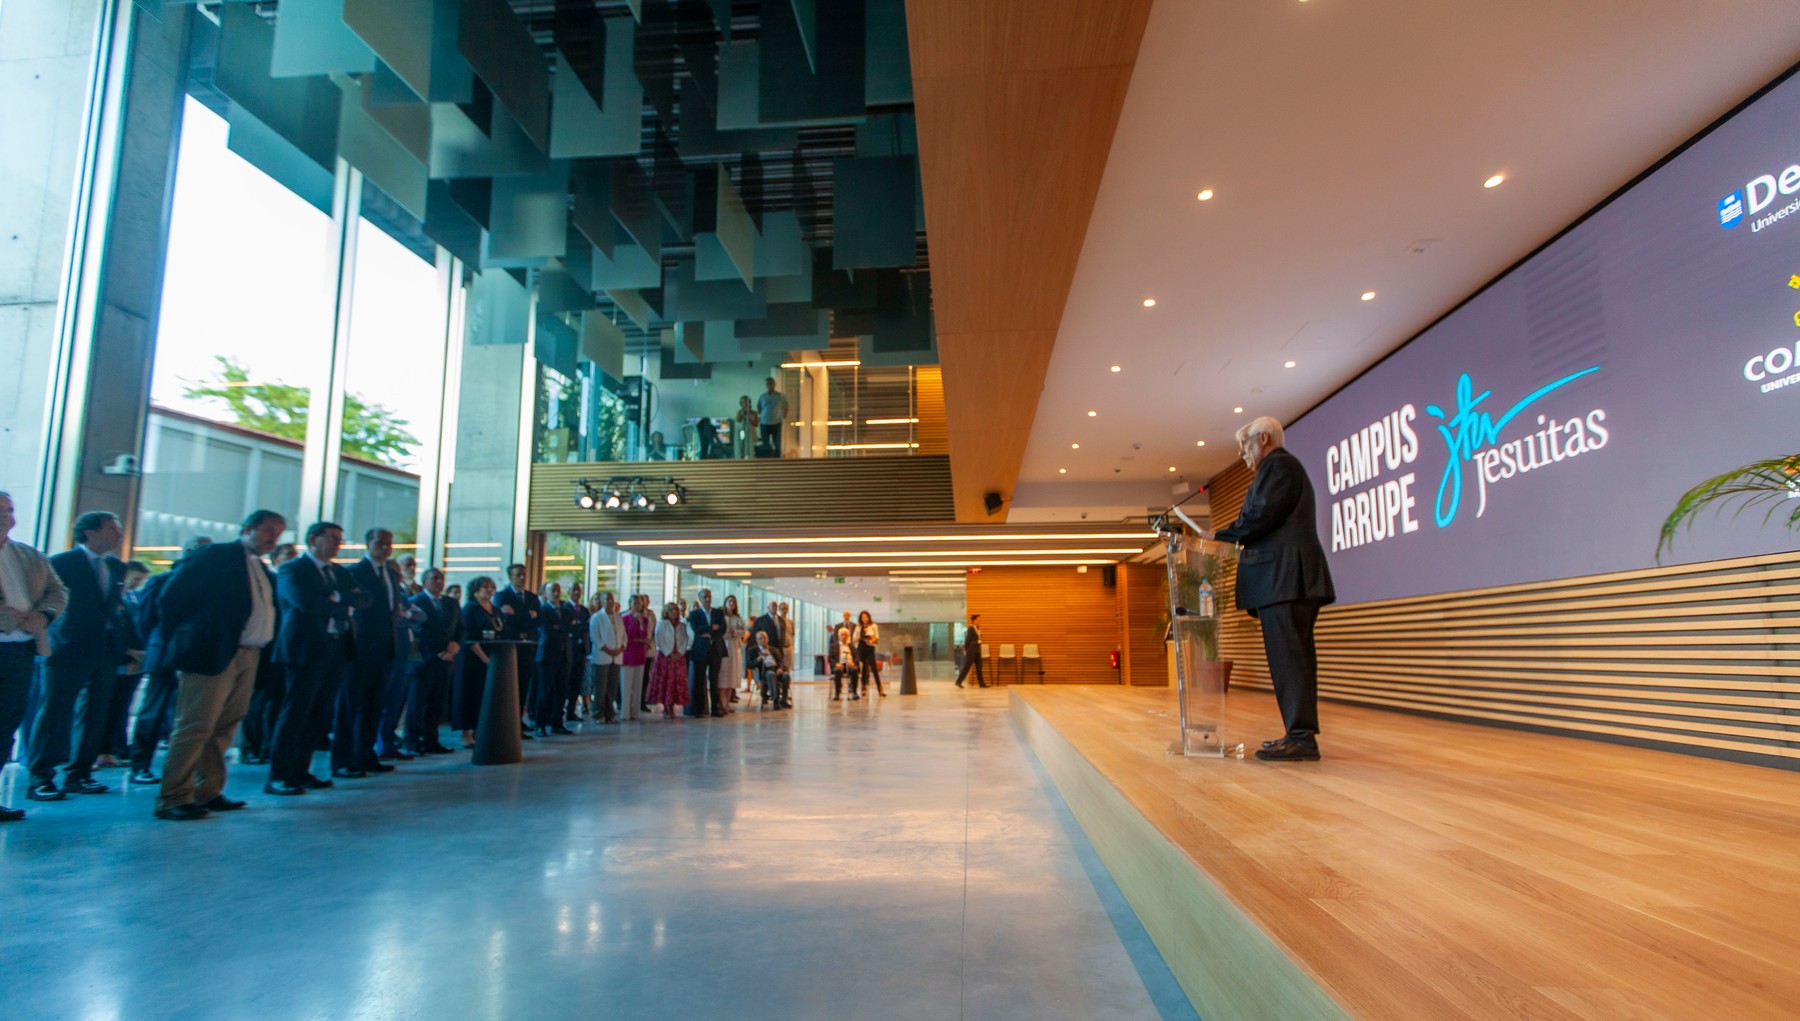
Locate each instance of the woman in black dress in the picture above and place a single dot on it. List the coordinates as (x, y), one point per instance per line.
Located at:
(481, 620)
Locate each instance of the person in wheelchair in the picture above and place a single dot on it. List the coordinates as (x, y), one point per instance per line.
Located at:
(770, 677)
(843, 665)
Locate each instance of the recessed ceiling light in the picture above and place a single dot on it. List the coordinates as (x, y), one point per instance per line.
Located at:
(1368, 296)
(1287, 365)
(1205, 195)
(1093, 414)
(1062, 471)
(1171, 467)
(1237, 411)
(1118, 368)
(1074, 446)
(1149, 302)
(1199, 443)
(1494, 181)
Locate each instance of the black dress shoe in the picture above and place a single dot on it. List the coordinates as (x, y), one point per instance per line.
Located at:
(347, 773)
(143, 776)
(253, 759)
(438, 749)
(526, 735)
(1289, 751)
(313, 783)
(283, 788)
(224, 804)
(11, 814)
(566, 732)
(402, 756)
(378, 767)
(182, 813)
(84, 785)
(45, 791)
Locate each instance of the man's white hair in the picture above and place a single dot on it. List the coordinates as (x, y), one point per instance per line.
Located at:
(1264, 426)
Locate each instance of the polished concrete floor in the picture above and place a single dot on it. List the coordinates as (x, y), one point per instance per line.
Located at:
(899, 858)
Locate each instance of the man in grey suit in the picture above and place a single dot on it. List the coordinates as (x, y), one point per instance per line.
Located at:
(31, 596)
(1282, 581)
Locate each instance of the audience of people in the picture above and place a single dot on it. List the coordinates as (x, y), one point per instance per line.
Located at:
(302, 652)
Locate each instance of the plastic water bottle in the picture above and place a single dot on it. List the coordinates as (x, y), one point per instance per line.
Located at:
(1206, 599)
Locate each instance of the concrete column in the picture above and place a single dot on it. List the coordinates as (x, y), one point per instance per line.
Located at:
(435, 478)
(111, 294)
(321, 465)
(47, 54)
(493, 436)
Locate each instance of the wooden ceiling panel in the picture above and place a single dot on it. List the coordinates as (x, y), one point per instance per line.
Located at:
(1017, 101)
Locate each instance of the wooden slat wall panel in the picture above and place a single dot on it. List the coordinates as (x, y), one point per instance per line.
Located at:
(1073, 618)
(933, 434)
(1143, 604)
(1703, 658)
(775, 491)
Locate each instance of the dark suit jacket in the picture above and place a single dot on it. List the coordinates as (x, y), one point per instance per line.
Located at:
(203, 608)
(554, 642)
(1282, 560)
(522, 623)
(86, 624)
(148, 616)
(381, 629)
(769, 626)
(578, 617)
(307, 609)
(441, 626)
(709, 633)
(972, 638)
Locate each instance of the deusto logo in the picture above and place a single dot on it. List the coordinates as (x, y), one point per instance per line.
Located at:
(1731, 210)
(1757, 196)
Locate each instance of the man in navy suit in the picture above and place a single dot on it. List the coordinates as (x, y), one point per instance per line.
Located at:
(216, 614)
(381, 635)
(437, 637)
(316, 598)
(707, 654)
(85, 653)
(555, 645)
(577, 616)
(521, 609)
(1282, 581)
(157, 710)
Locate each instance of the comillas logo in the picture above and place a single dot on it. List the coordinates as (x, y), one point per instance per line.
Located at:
(1731, 210)
(1757, 196)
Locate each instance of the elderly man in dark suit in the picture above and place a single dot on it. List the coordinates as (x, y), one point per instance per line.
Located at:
(317, 598)
(437, 639)
(1282, 581)
(85, 652)
(31, 597)
(706, 654)
(382, 635)
(216, 615)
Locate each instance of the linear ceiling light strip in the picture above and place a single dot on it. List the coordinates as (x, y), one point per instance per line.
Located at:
(822, 540)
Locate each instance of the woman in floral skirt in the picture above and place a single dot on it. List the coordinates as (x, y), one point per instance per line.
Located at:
(669, 681)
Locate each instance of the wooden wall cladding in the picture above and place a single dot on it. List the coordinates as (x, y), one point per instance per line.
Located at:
(773, 491)
(1142, 603)
(1073, 618)
(933, 433)
(1700, 658)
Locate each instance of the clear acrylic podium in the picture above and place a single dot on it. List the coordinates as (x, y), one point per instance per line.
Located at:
(1197, 602)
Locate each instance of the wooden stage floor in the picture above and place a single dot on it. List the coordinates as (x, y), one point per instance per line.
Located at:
(1432, 870)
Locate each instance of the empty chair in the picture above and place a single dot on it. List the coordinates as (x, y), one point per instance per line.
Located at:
(1001, 658)
(1032, 661)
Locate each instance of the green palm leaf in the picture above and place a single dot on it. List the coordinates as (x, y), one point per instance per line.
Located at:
(1773, 484)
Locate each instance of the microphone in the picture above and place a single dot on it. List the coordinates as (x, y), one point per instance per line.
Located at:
(1182, 611)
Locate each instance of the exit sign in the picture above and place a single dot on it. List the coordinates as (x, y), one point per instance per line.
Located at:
(837, 581)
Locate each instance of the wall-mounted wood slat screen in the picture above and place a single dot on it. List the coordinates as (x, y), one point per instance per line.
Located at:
(772, 491)
(1144, 602)
(1702, 658)
(1073, 618)
(933, 432)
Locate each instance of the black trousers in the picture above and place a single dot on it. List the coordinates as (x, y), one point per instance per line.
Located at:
(867, 666)
(427, 681)
(357, 722)
(606, 691)
(547, 709)
(528, 678)
(306, 707)
(155, 716)
(393, 706)
(117, 741)
(265, 709)
(703, 680)
(71, 715)
(1293, 664)
(972, 661)
(16, 659)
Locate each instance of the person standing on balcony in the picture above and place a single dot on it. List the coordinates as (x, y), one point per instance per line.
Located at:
(744, 436)
(771, 413)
